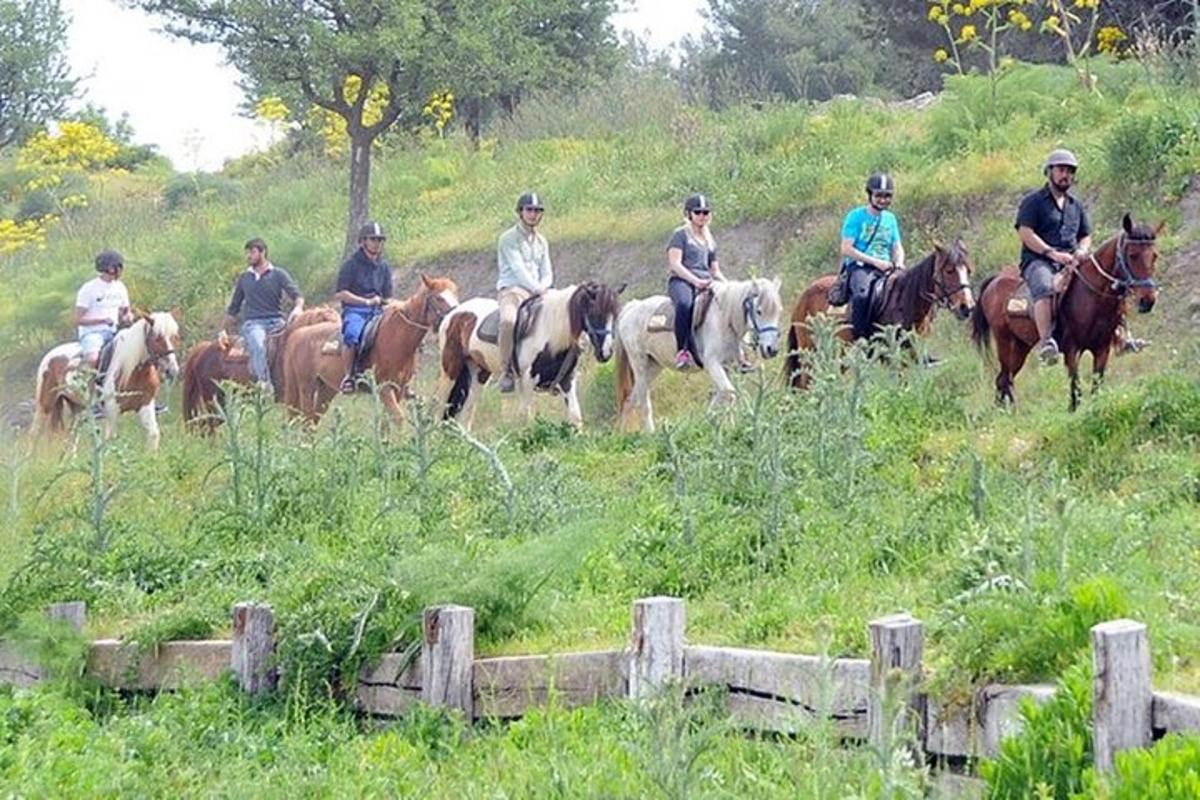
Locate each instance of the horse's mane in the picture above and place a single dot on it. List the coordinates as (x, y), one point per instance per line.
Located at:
(603, 302)
(914, 285)
(129, 350)
(772, 304)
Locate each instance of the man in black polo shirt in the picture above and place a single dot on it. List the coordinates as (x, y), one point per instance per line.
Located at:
(364, 285)
(1055, 233)
(258, 295)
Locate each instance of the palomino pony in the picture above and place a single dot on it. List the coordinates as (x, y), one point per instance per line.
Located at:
(1088, 311)
(546, 355)
(140, 353)
(644, 349)
(210, 362)
(312, 358)
(943, 278)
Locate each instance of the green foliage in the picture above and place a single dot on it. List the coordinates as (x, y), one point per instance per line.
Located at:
(1048, 757)
(1170, 769)
(1161, 143)
(35, 81)
(186, 189)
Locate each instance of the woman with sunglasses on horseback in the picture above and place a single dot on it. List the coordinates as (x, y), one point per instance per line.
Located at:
(692, 265)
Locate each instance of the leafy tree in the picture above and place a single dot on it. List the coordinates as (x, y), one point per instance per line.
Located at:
(369, 63)
(35, 80)
(785, 48)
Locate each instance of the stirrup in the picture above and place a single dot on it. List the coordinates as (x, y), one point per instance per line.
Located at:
(1047, 351)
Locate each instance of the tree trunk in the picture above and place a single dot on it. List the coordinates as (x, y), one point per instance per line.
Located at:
(360, 188)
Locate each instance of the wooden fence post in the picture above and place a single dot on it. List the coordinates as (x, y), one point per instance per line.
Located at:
(897, 647)
(448, 658)
(1121, 691)
(74, 613)
(253, 647)
(656, 648)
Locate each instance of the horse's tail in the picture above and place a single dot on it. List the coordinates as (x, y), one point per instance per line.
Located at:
(195, 404)
(454, 363)
(979, 321)
(624, 376)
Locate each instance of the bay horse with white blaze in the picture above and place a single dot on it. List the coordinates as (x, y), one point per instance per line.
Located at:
(1087, 314)
(211, 362)
(943, 278)
(546, 355)
(644, 348)
(312, 359)
(142, 353)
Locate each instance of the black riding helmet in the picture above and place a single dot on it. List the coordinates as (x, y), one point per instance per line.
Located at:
(530, 200)
(697, 202)
(372, 230)
(109, 260)
(881, 182)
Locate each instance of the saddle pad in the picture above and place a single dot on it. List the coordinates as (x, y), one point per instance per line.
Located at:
(1020, 303)
(527, 314)
(370, 331)
(663, 318)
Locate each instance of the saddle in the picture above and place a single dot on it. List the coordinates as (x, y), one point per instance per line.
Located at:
(1020, 302)
(527, 314)
(663, 318)
(233, 348)
(333, 346)
(877, 297)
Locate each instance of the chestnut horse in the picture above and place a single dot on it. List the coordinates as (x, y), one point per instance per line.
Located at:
(546, 356)
(209, 362)
(943, 278)
(1088, 311)
(140, 353)
(312, 358)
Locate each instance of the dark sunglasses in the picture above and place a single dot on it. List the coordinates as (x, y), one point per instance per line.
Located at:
(535, 209)
(882, 195)
(704, 211)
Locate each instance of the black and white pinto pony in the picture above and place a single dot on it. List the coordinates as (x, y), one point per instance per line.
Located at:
(738, 308)
(546, 356)
(143, 354)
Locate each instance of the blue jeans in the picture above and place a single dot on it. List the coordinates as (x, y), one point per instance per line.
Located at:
(92, 340)
(254, 332)
(354, 320)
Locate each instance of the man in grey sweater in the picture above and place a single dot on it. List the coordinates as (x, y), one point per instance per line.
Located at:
(258, 296)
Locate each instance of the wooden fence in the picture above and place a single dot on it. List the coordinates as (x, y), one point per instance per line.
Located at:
(765, 690)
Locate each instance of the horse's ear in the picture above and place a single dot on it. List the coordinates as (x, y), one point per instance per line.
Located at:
(1159, 227)
(778, 281)
(622, 287)
(425, 280)
(938, 246)
(1127, 223)
(959, 244)
(177, 313)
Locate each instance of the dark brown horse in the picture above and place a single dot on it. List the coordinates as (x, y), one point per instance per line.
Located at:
(313, 363)
(941, 278)
(210, 362)
(1088, 311)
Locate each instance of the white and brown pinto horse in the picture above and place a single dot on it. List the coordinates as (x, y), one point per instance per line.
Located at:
(643, 348)
(546, 355)
(142, 354)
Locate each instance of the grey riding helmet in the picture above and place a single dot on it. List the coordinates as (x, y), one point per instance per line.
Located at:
(109, 260)
(1061, 158)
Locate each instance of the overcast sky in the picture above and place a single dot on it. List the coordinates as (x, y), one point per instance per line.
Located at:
(183, 98)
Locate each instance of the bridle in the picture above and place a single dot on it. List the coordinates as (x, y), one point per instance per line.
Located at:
(155, 356)
(1126, 280)
(594, 332)
(944, 292)
(426, 307)
(750, 310)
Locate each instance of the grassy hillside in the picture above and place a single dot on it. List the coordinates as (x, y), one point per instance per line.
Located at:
(788, 522)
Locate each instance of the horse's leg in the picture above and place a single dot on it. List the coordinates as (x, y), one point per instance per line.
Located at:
(149, 421)
(474, 390)
(1071, 357)
(725, 391)
(645, 380)
(574, 412)
(391, 400)
(1099, 363)
(525, 391)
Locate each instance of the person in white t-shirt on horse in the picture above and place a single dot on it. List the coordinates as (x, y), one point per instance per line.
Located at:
(101, 305)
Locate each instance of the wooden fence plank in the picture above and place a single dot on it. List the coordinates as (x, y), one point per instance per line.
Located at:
(783, 691)
(1121, 693)
(121, 665)
(73, 613)
(1175, 712)
(976, 728)
(897, 647)
(390, 687)
(253, 653)
(508, 687)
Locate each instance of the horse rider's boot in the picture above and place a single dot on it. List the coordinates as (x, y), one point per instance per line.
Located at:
(1043, 317)
(348, 383)
(508, 383)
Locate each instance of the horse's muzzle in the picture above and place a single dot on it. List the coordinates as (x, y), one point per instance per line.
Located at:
(963, 311)
(769, 350)
(1145, 304)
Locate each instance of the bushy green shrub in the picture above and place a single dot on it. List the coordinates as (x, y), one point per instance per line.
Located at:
(1162, 141)
(1048, 757)
(187, 188)
(1168, 771)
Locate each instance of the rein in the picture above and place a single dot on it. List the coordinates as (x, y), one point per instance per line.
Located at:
(1127, 280)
